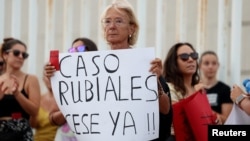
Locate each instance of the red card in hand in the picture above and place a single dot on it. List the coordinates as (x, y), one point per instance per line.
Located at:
(54, 59)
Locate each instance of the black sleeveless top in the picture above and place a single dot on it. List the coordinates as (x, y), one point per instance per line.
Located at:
(9, 104)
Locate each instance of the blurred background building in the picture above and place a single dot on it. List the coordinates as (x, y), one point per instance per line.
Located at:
(219, 25)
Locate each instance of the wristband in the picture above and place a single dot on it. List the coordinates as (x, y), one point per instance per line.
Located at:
(240, 98)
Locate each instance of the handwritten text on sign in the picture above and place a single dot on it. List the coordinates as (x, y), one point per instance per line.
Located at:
(108, 95)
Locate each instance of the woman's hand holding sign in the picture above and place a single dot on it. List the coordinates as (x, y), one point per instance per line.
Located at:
(49, 70)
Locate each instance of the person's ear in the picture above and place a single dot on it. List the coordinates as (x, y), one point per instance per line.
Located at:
(131, 29)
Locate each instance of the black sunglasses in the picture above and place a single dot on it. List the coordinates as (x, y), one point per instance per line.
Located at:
(185, 56)
(18, 52)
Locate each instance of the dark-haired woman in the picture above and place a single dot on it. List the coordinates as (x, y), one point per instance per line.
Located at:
(56, 117)
(181, 73)
(19, 93)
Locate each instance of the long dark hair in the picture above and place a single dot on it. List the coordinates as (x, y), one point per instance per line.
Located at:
(172, 73)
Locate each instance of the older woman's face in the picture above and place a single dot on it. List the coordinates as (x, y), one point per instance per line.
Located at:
(116, 27)
(187, 66)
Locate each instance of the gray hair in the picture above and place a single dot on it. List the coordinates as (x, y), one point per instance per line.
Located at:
(123, 5)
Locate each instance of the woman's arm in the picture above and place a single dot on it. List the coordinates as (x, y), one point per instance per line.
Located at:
(241, 98)
(245, 105)
(164, 93)
(164, 102)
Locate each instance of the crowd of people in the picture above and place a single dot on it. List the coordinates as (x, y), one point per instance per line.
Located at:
(28, 115)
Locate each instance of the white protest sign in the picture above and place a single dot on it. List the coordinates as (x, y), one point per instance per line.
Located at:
(108, 95)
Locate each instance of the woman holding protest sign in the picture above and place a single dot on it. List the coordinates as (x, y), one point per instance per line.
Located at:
(56, 117)
(120, 30)
(19, 94)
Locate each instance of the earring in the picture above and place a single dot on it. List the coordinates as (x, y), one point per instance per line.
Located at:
(130, 36)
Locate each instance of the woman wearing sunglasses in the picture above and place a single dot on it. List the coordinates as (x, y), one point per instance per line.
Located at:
(217, 91)
(180, 70)
(55, 116)
(19, 93)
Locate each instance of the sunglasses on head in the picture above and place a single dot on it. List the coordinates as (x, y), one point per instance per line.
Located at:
(18, 52)
(185, 56)
(77, 49)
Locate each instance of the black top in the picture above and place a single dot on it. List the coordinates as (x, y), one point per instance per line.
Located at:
(217, 95)
(9, 105)
(165, 120)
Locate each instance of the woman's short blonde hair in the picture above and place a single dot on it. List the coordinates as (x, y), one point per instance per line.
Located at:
(124, 5)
